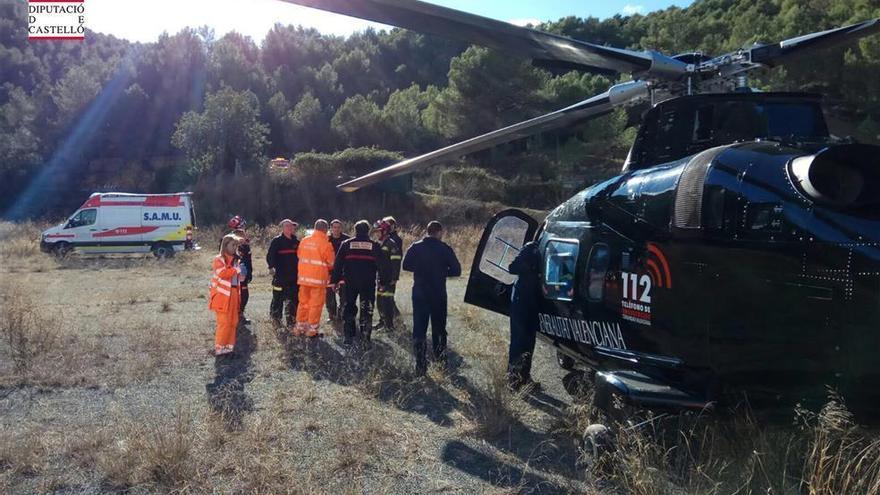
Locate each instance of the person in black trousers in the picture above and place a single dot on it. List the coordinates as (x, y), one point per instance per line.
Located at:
(395, 236)
(282, 262)
(524, 307)
(432, 261)
(247, 262)
(389, 274)
(355, 270)
(238, 224)
(337, 237)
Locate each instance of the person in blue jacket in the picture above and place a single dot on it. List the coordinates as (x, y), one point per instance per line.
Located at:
(524, 316)
(432, 261)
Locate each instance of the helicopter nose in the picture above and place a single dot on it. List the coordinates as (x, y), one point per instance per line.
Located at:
(842, 177)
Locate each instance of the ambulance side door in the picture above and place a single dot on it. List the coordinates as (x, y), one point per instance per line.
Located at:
(82, 226)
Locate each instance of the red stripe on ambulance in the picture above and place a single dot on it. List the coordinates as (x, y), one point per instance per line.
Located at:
(125, 231)
(149, 201)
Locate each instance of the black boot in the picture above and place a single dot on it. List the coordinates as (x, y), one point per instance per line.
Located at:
(419, 349)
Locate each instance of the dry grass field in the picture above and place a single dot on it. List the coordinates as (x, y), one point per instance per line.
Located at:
(106, 385)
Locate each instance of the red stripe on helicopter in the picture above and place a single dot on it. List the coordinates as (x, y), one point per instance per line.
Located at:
(654, 271)
(653, 249)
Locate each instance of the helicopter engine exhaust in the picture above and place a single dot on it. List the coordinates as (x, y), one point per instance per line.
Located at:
(841, 177)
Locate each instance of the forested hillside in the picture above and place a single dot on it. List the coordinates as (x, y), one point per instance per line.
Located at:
(196, 111)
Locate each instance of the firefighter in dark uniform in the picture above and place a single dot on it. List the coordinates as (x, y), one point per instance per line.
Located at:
(283, 262)
(524, 316)
(388, 274)
(355, 270)
(395, 236)
(337, 237)
(432, 261)
(237, 225)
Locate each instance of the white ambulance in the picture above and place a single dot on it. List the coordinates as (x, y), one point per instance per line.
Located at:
(126, 223)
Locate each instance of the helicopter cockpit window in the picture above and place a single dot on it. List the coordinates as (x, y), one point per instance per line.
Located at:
(600, 261)
(559, 269)
(505, 242)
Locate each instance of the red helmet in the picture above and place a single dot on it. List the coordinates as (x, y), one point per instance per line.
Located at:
(236, 222)
(383, 227)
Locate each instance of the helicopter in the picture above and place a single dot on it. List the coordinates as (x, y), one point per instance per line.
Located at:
(736, 255)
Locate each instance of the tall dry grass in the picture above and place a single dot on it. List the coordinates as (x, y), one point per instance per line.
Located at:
(27, 334)
(819, 453)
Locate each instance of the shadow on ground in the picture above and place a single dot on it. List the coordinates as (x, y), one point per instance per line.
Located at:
(226, 394)
(384, 370)
(493, 471)
(376, 369)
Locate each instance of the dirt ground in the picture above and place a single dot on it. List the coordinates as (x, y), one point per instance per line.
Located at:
(107, 386)
(114, 390)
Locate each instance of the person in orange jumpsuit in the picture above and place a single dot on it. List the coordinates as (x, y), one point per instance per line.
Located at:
(316, 256)
(225, 296)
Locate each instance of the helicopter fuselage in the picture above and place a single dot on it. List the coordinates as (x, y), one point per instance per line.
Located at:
(748, 267)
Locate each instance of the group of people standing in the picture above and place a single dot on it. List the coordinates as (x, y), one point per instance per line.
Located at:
(348, 275)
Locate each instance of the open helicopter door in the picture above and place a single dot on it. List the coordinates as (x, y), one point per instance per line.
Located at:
(490, 283)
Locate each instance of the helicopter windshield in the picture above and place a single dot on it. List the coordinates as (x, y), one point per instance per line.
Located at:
(679, 129)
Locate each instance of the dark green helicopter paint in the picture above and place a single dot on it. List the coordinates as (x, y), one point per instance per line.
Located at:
(714, 275)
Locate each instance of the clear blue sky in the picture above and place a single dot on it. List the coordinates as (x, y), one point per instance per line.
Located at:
(544, 10)
(137, 20)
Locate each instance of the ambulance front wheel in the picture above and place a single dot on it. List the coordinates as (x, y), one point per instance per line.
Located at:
(61, 249)
(162, 250)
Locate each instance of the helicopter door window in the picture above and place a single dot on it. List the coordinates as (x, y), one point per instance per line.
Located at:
(504, 243)
(597, 269)
(560, 268)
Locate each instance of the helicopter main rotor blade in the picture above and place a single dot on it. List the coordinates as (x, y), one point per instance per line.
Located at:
(544, 48)
(619, 95)
(778, 53)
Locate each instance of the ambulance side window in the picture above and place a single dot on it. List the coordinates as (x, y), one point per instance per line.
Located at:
(559, 269)
(83, 218)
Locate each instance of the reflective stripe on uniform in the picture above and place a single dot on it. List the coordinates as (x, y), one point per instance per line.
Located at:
(223, 291)
(397, 257)
(223, 349)
(385, 294)
(277, 288)
(315, 262)
(313, 281)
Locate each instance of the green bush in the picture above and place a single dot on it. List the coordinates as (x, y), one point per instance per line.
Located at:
(304, 191)
(472, 183)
